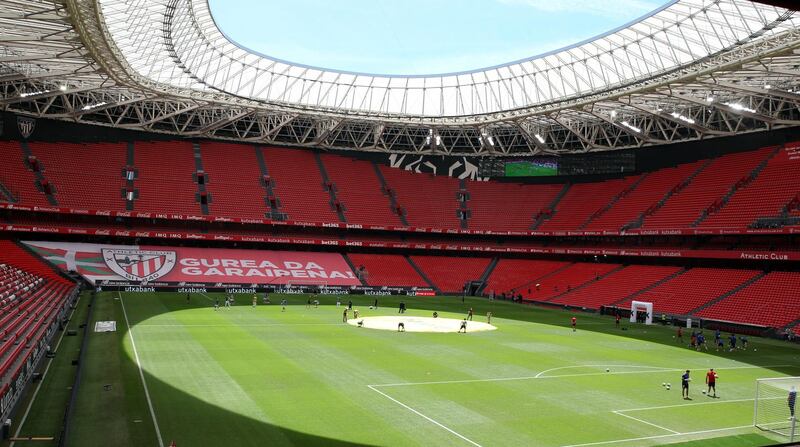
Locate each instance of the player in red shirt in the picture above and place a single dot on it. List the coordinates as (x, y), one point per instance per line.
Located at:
(711, 381)
(574, 321)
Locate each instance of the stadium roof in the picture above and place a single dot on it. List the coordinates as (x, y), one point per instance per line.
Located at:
(691, 69)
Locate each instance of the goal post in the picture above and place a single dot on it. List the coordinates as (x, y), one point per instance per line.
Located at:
(774, 407)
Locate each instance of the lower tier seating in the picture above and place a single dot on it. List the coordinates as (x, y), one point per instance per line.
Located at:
(616, 286)
(770, 301)
(32, 294)
(451, 273)
(692, 289)
(387, 270)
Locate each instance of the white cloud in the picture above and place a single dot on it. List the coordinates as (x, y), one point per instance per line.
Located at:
(604, 8)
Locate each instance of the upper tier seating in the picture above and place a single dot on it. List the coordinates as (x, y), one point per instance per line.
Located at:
(616, 286)
(428, 200)
(297, 182)
(88, 176)
(234, 180)
(507, 206)
(85, 176)
(685, 207)
(359, 190)
(19, 179)
(166, 178)
(389, 270)
(692, 289)
(582, 201)
(451, 273)
(765, 196)
(646, 194)
(770, 301)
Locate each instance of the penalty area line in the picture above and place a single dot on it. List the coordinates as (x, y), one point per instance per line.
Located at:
(646, 422)
(141, 372)
(644, 438)
(423, 416)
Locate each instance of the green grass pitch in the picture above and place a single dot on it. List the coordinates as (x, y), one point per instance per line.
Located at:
(255, 377)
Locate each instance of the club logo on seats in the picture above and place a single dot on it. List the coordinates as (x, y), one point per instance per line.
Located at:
(139, 265)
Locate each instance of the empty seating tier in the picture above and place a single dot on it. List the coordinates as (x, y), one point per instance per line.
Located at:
(388, 270)
(449, 274)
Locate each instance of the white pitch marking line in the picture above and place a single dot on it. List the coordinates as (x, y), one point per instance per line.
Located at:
(141, 372)
(645, 422)
(600, 366)
(44, 376)
(699, 432)
(506, 379)
(423, 416)
(684, 405)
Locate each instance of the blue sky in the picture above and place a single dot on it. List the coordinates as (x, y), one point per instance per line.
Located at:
(417, 36)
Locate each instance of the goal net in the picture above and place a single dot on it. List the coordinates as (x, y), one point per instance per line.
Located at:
(775, 405)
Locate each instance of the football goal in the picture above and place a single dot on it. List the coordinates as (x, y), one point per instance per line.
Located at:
(775, 406)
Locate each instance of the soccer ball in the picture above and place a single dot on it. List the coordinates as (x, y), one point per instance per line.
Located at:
(371, 307)
(704, 391)
(668, 387)
(664, 384)
(607, 369)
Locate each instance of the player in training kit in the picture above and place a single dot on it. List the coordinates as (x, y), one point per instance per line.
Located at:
(711, 381)
(216, 304)
(255, 300)
(616, 322)
(574, 323)
(469, 314)
(463, 326)
(744, 342)
(732, 340)
(791, 401)
(685, 379)
(489, 317)
(344, 316)
(283, 305)
(680, 335)
(701, 341)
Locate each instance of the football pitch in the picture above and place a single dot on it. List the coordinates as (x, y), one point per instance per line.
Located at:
(181, 371)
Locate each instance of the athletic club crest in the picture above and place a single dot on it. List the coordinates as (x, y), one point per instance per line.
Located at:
(139, 265)
(25, 126)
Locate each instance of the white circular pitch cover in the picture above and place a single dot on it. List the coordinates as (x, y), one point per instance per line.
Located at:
(419, 324)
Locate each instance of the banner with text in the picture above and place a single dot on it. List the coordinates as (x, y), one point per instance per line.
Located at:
(147, 264)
